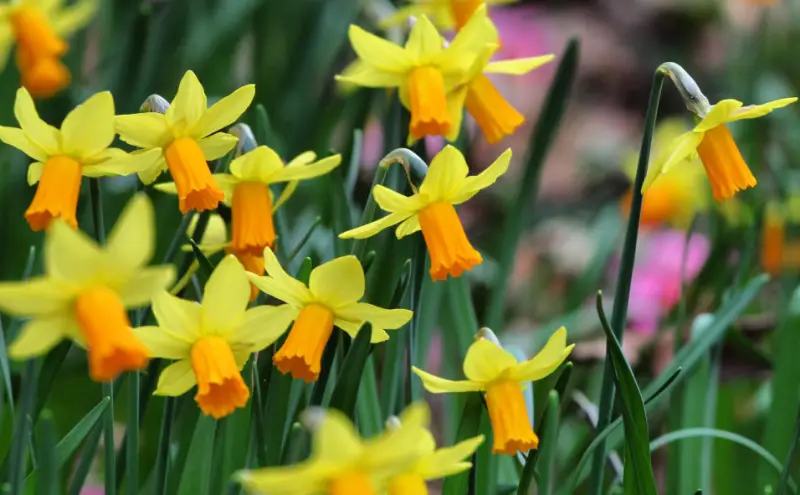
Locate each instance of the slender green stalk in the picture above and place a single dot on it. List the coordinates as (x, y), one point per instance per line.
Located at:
(85, 462)
(97, 210)
(132, 434)
(620, 307)
(48, 468)
(787, 466)
(162, 458)
(21, 435)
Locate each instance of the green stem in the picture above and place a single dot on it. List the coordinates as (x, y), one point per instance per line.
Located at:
(620, 308)
(132, 434)
(787, 466)
(97, 211)
(110, 473)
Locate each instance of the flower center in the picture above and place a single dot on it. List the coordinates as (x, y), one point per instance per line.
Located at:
(252, 263)
(57, 193)
(450, 250)
(197, 189)
(351, 484)
(429, 115)
(253, 229)
(301, 354)
(220, 387)
(463, 10)
(38, 51)
(112, 346)
(408, 484)
(494, 115)
(724, 164)
(509, 417)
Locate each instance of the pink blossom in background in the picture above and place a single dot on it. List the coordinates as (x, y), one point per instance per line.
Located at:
(92, 490)
(522, 35)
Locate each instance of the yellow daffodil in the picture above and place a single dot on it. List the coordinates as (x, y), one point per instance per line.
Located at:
(210, 341)
(445, 14)
(773, 237)
(63, 156)
(330, 299)
(491, 369)
(86, 290)
(424, 70)
(432, 211)
(341, 463)
(187, 137)
(38, 28)
(712, 140)
(433, 463)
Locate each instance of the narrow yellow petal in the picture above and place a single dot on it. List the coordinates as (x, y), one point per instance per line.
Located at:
(177, 316)
(224, 112)
(372, 228)
(472, 185)
(286, 193)
(486, 361)
(676, 152)
(416, 415)
(336, 438)
(393, 202)
(35, 170)
(517, 66)
(38, 131)
(74, 17)
(755, 111)
(368, 77)
(150, 175)
(132, 241)
(262, 326)
(138, 290)
(445, 175)
(379, 53)
(115, 162)
(39, 335)
(408, 227)
(217, 145)
(38, 296)
(437, 385)
(719, 114)
(70, 255)
(143, 130)
(189, 103)
(163, 344)
(455, 108)
(176, 379)
(338, 282)
(449, 460)
(225, 297)
(424, 40)
(280, 284)
(554, 352)
(17, 138)
(89, 128)
(302, 172)
(258, 165)
(381, 319)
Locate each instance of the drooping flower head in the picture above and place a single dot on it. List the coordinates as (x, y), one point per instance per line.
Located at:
(424, 70)
(431, 210)
(330, 299)
(210, 341)
(38, 27)
(187, 138)
(85, 291)
(341, 462)
(445, 14)
(491, 369)
(63, 157)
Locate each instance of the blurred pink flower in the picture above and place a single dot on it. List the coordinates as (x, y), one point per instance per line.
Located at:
(92, 490)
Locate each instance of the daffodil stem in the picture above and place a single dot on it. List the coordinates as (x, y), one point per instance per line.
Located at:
(625, 274)
(97, 210)
(132, 434)
(110, 474)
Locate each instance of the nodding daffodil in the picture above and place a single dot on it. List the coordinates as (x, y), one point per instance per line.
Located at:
(330, 299)
(210, 341)
(38, 28)
(433, 463)
(445, 14)
(712, 141)
(63, 156)
(431, 210)
(187, 137)
(424, 70)
(491, 369)
(86, 290)
(341, 462)
(246, 190)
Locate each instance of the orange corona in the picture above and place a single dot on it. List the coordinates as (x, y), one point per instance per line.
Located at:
(726, 169)
(57, 193)
(301, 354)
(197, 189)
(508, 414)
(220, 387)
(493, 113)
(450, 250)
(429, 114)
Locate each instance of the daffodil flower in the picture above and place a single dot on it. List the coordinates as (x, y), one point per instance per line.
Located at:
(433, 463)
(210, 341)
(341, 462)
(445, 14)
(432, 211)
(491, 369)
(773, 238)
(424, 70)
(86, 290)
(330, 299)
(712, 140)
(187, 137)
(63, 156)
(38, 28)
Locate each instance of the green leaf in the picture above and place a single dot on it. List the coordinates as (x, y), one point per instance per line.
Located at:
(548, 445)
(22, 429)
(47, 479)
(235, 435)
(303, 240)
(196, 473)
(469, 427)
(206, 267)
(787, 466)
(346, 391)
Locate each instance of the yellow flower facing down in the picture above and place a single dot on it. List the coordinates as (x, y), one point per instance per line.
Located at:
(62, 157)
(713, 142)
(187, 139)
(341, 463)
(86, 290)
(491, 369)
(445, 14)
(432, 211)
(210, 341)
(424, 69)
(330, 299)
(38, 28)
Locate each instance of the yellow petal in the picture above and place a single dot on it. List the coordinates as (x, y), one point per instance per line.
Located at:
(336, 438)
(554, 352)
(39, 335)
(176, 379)
(305, 478)
(138, 290)
(132, 241)
(470, 41)
(262, 326)
(369, 77)
(302, 172)
(394, 202)
(719, 114)
(486, 361)
(37, 296)
(372, 228)
(280, 284)
(225, 297)
(69, 255)
(163, 344)
(424, 40)
(445, 175)
(381, 319)
(258, 165)
(450, 460)
(151, 174)
(6, 43)
(408, 227)
(89, 128)
(38, 131)
(379, 53)
(436, 385)
(338, 282)
(679, 150)
(472, 185)
(15, 137)
(286, 193)
(304, 158)
(167, 187)
(143, 130)
(217, 145)
(177, 316)
(35, 172)
(417, 414)
(189, 103)
(74, 16)
(225, 112)
(455, 109)
(226, 182)
(755, 111)
(517, 66)
(116, 162)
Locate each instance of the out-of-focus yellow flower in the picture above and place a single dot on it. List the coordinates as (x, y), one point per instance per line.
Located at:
(712, 140)
(424, 70)
(490, 368)
(341, 463)
(433, 463)
(330, 299)
(38, 27)
(431, 210)
(445, 14)
(773, 237)
(63, 156)
(210, 341)
(187, 137)
(86, 290)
